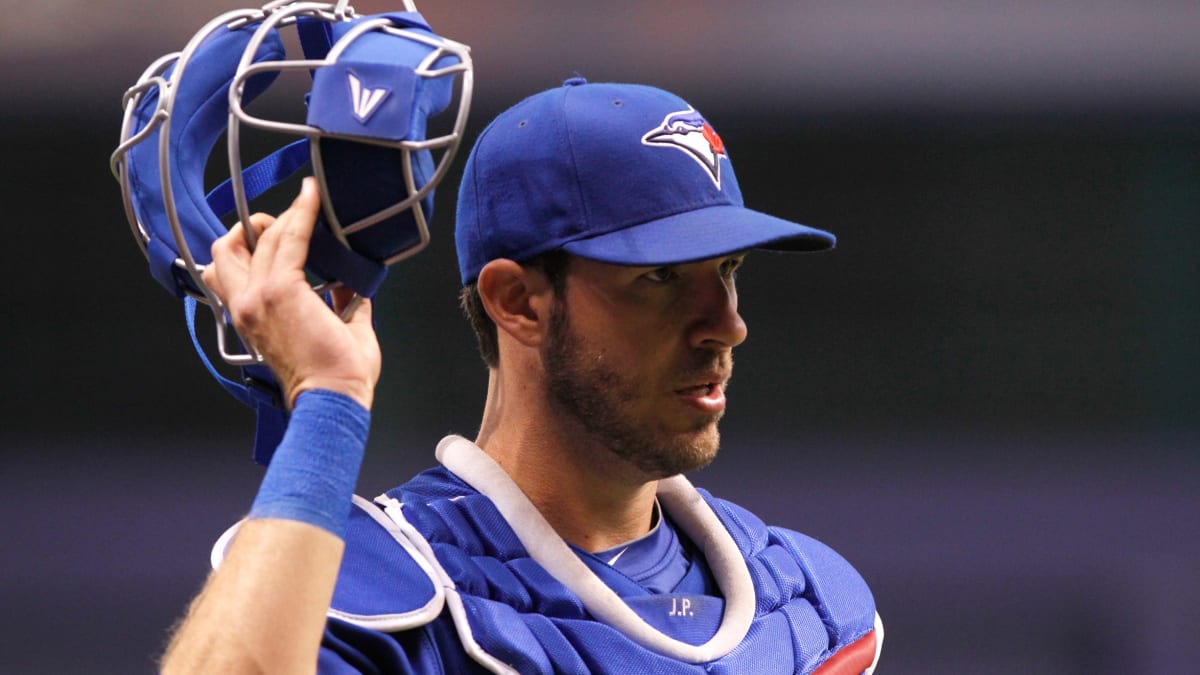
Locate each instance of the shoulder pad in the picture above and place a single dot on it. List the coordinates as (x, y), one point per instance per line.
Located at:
(747, 529)
(836, 589)
(384, 582)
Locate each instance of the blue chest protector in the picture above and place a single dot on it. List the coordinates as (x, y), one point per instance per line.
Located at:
(435, 574)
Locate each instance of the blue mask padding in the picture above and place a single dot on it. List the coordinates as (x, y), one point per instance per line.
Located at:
(365, 179)
(199, 117)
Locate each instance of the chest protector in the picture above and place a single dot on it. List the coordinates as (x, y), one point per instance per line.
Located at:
(788, 604)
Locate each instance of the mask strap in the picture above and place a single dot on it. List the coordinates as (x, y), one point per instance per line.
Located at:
(327, 257)
(261, 176)
(259, 391)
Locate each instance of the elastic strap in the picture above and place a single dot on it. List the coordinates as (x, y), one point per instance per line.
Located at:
(261, 176)
(328, 258)
(259, 390)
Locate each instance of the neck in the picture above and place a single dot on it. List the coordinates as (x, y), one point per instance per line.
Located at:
(590, 497)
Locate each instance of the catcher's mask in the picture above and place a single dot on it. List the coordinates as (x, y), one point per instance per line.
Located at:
(375, 82)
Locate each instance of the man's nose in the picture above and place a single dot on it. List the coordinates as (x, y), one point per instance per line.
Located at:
(718, 324)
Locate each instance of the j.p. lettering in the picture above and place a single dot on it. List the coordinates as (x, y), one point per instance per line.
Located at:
(681, 607)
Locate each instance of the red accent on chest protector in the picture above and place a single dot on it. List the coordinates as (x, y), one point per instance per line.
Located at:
(852, 659)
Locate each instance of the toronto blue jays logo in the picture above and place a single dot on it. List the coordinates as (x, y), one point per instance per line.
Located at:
(687, 131)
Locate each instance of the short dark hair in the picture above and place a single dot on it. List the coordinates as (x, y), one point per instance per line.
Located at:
(551, 263)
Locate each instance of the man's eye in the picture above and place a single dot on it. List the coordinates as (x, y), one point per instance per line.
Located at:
(660, 274)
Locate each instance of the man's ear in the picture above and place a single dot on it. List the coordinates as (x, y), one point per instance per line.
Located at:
(517, 298)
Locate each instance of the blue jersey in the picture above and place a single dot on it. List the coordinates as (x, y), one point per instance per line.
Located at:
(456, 572)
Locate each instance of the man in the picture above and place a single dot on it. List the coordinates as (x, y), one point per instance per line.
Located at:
(600, 229)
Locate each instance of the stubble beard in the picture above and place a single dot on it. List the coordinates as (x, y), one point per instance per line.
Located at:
(584, 384)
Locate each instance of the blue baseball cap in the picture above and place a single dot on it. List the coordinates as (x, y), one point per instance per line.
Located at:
(619, 173)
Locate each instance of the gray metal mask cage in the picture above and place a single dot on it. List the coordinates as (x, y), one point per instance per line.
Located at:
(376, 81)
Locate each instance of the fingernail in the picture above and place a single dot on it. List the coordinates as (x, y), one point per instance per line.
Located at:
(307, 186)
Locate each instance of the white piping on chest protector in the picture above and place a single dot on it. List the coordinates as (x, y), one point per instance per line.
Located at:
(445, 585)
(694, 517)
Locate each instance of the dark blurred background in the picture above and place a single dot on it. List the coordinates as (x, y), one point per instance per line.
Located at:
(986, 397)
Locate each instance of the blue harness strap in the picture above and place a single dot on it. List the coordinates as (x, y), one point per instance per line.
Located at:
(259, 390)
(327, 257)
(261, 176)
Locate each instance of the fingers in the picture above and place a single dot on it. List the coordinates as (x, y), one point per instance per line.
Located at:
(231, 256)
(271, 304)
(259, 222)
(284, 244)
(276, 260)
(295, 237)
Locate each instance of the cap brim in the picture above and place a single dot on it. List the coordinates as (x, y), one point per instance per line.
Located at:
(704, 233)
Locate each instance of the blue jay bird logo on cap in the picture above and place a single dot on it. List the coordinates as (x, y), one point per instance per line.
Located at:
(687, 130)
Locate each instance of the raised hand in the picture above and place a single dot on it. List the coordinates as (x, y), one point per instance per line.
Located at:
(273, 306)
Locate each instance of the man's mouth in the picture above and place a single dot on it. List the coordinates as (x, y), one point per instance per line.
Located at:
(707, 396)
(705, 389)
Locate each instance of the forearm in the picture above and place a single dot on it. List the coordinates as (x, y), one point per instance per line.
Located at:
(264, 609)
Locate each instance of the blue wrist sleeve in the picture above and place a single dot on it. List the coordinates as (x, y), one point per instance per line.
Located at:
(312, 476)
